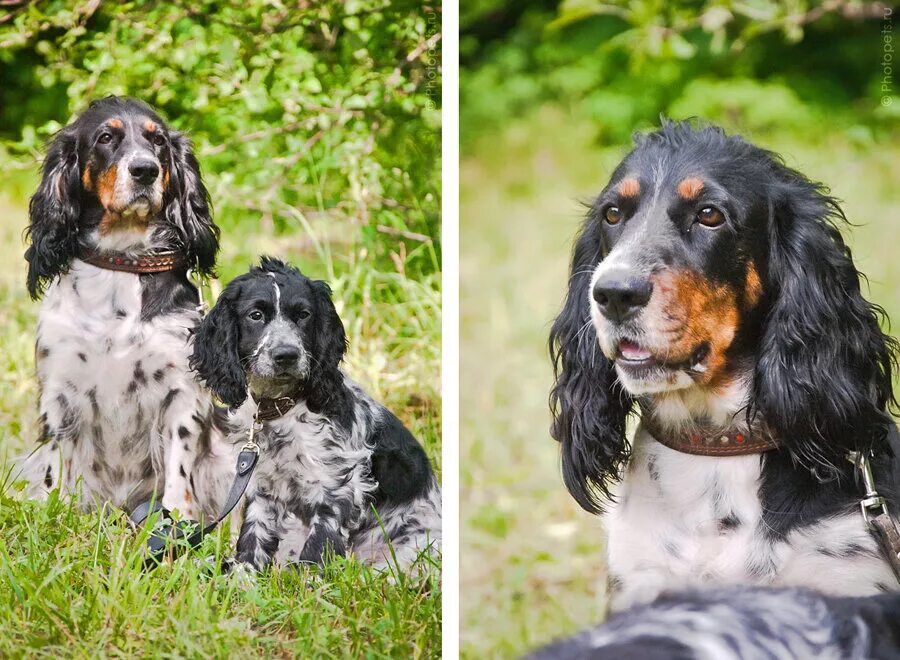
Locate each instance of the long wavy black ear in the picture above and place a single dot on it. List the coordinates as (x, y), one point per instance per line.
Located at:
(589, 406)
(189, 210)
(215, 355)
(330, 340)
(54, 211)
(823, 379)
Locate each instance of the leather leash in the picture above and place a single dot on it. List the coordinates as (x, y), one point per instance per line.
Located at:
(159, 544)
(875, 513)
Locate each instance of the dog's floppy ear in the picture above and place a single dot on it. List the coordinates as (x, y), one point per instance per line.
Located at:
(589, 406)
(823, 378)
(331, 340)
(188, 209)
(54, 211)
(215, 355)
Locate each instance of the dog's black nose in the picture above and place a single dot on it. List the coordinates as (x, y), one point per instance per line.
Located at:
(618, 297)
(143, 171)
(285, 356)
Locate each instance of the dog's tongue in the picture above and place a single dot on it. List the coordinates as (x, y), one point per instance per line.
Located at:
(631, 351)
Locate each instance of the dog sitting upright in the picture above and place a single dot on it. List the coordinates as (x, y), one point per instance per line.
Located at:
(120, 216)
(330, 456)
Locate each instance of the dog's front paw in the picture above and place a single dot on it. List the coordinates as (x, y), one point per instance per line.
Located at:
(242, 574)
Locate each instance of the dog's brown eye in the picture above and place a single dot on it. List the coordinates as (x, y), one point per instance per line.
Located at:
(105, 138)
(255, 315)
(710, 216)
(159, 139)
(613, 214)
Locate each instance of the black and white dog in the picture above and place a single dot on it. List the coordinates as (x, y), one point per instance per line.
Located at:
(739, 624)
(711, 290)
(338, 472)
(120, 216)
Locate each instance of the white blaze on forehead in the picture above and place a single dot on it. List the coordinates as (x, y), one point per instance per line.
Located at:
(277, 294)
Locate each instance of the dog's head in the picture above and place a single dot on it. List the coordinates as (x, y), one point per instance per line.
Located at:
(706, 267)
(274, 330)
(118, 178)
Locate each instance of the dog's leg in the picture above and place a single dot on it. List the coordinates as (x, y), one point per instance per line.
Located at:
(50, 466)
(181, 427)
(328, 534)
(259, 537)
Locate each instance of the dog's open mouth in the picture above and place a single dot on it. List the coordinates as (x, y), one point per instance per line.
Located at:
(634, 355)
(634, 358)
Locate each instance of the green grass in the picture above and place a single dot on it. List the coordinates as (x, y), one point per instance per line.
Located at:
(71, 583)
(532, 561)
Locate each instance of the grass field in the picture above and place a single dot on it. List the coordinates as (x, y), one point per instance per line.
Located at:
(71, 584)
(532, 564)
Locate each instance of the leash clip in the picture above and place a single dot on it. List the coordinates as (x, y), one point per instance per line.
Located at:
(255, 426)
(873, 504)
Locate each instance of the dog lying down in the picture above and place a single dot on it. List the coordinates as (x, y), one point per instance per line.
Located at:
(337, 471)
(741, 623)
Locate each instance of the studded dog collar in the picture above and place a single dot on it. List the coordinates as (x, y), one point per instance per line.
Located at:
(268, 409)
(156, 262)
(710, 440)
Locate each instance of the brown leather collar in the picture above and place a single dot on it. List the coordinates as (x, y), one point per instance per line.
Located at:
(156, 262)
(268, 409)
(707, 440)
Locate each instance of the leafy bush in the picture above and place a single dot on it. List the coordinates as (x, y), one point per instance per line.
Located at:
(623, 63)
(318, 115)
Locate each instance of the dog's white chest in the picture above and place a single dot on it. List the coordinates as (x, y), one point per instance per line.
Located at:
(680, 519)
(105, 374)
(91, 336)
(685, 521)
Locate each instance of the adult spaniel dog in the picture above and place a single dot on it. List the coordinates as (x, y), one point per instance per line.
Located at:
(120, 216)
(337, 471)
(711, 291)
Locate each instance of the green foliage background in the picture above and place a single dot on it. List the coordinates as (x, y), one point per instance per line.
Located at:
(752, 64)
(550, 93)
(317, 125)
(326, 108)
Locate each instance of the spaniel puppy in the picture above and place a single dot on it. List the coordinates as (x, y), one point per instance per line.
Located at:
(741, 623)
(711, 290)
(121, 414)
(337, 471)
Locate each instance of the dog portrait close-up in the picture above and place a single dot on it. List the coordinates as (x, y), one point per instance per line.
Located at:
(678, 370)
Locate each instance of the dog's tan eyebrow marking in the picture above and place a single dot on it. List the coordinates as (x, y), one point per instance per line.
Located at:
(115, 122)
(629, 187)
(690, 188)
(150, 126)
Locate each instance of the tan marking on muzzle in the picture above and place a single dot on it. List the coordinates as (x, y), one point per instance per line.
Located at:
(702, 312)
(106, 186)
(629, 187)
(86, 179)
(690, 188)
(753, 288)
(113, 220)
